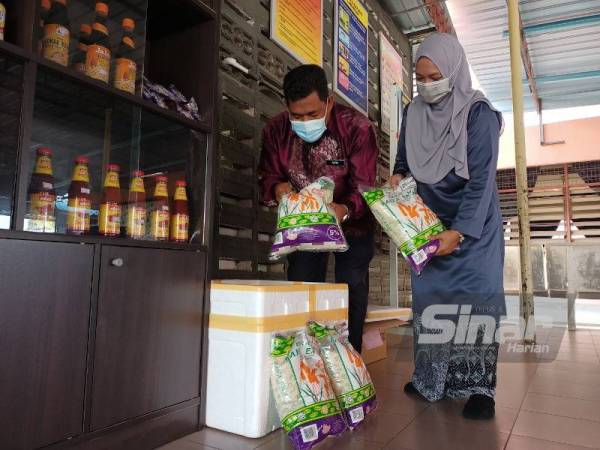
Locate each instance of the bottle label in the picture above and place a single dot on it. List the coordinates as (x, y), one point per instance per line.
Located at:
(159, 224)
(112, 180)
(43, 165)
(161, 190)
(81, 173)
(109, 221)
(180, 194)
(55, 45)
(97, 62)
(136, 222)
(180, 224)
(137, 185)
(2, 22)
(79, 67)
(125, 74)
(41, 213)
(78, 215)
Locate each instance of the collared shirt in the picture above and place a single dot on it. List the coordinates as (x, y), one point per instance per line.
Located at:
(347, 153)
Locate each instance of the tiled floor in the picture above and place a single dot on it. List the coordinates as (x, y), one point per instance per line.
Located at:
(541, 405)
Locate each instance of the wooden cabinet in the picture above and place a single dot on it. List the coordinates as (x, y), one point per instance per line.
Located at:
(148, 333)
(101, 336)
(44, 321)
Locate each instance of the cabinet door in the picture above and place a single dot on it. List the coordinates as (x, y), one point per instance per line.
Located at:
(148, 333)
(44, 320)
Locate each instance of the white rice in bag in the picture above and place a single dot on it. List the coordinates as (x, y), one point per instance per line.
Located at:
(347, 371)
(305, 400)
(407, 220)
(306, 222)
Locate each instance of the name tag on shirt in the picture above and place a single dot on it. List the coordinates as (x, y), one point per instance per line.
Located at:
(336, 162)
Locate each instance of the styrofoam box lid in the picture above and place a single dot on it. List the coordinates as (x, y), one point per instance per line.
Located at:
(264, 298)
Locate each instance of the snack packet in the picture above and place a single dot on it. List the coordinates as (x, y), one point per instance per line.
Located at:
(306, 223)
(407, 221)
(304, 397)
(347, 371)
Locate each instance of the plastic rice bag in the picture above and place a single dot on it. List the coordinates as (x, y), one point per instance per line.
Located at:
(306, 223)
(304, 397)
(407, 221)
(347, 371)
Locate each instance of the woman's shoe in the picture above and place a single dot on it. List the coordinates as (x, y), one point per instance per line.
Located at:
(479, 407)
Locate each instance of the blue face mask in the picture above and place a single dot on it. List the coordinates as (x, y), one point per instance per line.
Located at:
(311, 130)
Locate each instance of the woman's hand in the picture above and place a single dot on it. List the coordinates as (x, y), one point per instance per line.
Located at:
(449, 242)
(395, 180)
(281, 189)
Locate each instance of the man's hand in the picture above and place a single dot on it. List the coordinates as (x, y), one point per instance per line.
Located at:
(281, 189)
(340, 211)
(395, 180)
(449, 242)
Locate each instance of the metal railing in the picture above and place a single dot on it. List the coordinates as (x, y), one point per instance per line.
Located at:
(564, 201)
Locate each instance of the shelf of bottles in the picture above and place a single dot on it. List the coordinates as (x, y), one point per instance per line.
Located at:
(98, 166)
(104, 41)
(109, 42)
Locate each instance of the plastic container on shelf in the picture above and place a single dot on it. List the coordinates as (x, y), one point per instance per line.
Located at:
(244, 315)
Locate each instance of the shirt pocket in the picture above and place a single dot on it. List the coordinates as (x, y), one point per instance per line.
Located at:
(336, 168)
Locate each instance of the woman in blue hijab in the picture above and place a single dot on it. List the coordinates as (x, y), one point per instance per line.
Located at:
(449, 143)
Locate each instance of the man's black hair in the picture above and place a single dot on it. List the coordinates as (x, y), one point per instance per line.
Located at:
(303, 80)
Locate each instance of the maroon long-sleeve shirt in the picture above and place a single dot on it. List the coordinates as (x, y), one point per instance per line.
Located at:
(346, 153)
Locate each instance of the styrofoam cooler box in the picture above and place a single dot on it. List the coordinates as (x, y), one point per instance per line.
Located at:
(243, 317)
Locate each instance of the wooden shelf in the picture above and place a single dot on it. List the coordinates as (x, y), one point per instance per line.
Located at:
(17, 52)
(94, 239)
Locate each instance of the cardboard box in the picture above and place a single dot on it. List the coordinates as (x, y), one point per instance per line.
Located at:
(374, 339)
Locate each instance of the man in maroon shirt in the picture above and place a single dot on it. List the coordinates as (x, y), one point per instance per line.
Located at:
(316, 137)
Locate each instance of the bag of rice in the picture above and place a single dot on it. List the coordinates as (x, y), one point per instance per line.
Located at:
(347, 371)
(305, 401)
(407, 221)
(306, 223)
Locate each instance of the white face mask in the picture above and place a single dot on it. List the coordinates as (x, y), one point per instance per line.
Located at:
(435, 91)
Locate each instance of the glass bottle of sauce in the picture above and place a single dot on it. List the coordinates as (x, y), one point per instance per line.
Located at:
(42, 196)
(2, 21)
(44, 10)
(180, 216)
(97, 63)
(136, 207)
(57, 34)
(80, 203)
(85, 32)
(159, 217)
(109, 220)
(125, 66)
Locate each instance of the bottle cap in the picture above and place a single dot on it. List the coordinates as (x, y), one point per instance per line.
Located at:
(102, 9)
(100, 28)
(138, 174)
(161, 179)
(128, 24)
(44, 151)
(82, 160)
(113, 168)
(180, 183)
(45, 5)
(85, 28)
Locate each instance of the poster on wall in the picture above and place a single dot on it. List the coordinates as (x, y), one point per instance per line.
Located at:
(351, 77)
(297, 26)
(390, 72)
